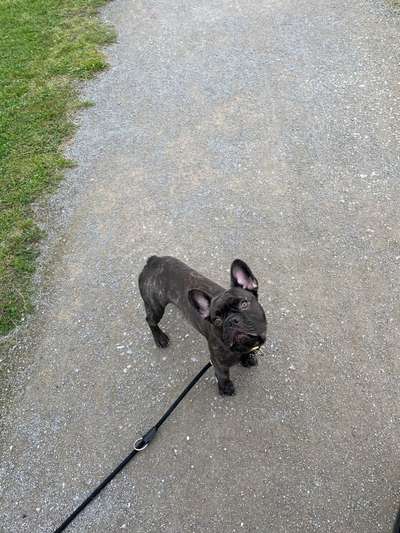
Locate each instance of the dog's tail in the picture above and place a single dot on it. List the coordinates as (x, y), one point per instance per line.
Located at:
(152, 259)
(146, 272)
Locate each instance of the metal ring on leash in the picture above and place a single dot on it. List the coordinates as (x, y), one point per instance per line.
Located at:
(146, 439)
(142, 448)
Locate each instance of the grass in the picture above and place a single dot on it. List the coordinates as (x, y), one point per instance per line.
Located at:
(45, 46)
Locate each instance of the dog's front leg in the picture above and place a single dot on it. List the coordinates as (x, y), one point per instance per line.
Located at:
(225, 385)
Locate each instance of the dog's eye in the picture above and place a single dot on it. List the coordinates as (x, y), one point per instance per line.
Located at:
(218, 322)
(244, 304)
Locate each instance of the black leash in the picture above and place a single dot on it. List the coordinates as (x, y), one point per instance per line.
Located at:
(140, 445)
(396, 527)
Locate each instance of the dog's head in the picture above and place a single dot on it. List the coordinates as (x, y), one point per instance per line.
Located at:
(236, 316)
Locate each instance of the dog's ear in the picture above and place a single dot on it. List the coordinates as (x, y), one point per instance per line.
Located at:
(201, 302)
(242, 276)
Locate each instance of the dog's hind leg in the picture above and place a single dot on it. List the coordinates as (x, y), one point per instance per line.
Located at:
(154, 307)
(154, 314)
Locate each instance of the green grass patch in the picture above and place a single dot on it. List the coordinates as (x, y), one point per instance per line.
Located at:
(45, 46)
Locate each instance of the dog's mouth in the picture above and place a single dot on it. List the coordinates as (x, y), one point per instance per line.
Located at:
(245, 342)
(255, 348)
(241, 338)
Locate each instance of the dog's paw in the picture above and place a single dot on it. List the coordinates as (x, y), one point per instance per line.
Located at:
(227, 388)
(248, 360)
(161, 339)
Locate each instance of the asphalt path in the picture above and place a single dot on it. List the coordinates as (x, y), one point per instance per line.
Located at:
(266, 130)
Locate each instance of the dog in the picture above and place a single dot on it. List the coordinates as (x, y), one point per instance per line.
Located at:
(232, 321)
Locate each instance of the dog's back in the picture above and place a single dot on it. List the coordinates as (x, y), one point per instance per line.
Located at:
(171, 279)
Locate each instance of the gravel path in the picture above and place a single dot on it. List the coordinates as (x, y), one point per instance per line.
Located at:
(260, 129)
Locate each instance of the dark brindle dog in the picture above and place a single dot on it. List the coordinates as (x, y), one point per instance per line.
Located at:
(232, 320)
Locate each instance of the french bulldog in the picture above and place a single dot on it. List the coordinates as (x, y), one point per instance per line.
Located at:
(232, 320)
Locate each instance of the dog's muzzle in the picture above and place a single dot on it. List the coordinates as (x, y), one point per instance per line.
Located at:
(247, 343)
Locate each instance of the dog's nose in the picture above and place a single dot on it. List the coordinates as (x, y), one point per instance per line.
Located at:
(233, 321)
